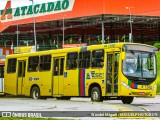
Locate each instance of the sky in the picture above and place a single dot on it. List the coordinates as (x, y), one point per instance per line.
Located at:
(18, 3)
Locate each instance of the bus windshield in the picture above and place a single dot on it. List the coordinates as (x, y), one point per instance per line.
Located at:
(139, 64)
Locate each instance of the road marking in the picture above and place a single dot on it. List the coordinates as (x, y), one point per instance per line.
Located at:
(127, 109)
(122, 108)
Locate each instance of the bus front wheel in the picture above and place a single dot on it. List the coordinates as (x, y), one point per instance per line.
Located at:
(127, 100)
(35, 93)
(96, 95)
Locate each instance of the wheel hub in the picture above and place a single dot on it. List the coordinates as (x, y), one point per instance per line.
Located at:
(35, 94)
(95, 96)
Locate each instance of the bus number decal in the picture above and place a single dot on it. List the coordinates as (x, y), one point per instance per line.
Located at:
(94, 75)
(110, 45)
(33, 79)
(146, 86)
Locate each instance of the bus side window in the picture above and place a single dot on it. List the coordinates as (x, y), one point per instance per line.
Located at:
(33, 64)
(101, 62)
(20, 69)
(87, 59)
(97, 58)
(94, 62)
(80, 59)
(61, 66)
(56, 67)
(72, 60)
(84, 59)
(11, 67)
(45, 64)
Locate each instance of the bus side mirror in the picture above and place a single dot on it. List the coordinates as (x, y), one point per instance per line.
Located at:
(123, 55)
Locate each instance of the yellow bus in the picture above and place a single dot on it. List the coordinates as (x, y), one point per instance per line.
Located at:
(2, 63)
(119, 71)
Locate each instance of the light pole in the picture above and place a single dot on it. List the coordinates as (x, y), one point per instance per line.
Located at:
(34, 22)
(63, 29)
(102, 29)
(129, 9)
(17, 34)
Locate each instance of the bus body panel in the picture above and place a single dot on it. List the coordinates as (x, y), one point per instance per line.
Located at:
(32, 78)
(42, 79)
(71, 82)
(60, 81)
(46, 83)
(11, 84)
(95, 76)
(141, 90)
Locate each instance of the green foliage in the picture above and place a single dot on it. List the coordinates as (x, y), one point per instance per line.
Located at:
(158, 72)
(158, 85)
(157, 45)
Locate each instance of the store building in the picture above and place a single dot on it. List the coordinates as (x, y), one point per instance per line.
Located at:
(75, 21)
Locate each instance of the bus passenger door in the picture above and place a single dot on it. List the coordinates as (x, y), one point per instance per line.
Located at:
(112, 74)
(58, 70)
(21, 77)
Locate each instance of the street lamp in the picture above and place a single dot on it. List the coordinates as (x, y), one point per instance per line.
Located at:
(129, 9)
(34, 22)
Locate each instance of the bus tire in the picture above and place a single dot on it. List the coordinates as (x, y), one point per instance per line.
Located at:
(35, 93)
(96, 95)
(127, 100)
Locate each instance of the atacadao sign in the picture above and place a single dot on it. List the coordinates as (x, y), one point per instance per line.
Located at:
(24, 12)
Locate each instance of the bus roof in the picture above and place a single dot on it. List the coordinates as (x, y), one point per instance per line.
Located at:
(101, 46)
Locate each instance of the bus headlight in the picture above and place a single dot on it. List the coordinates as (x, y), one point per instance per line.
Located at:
(125, 85)
(153, 88)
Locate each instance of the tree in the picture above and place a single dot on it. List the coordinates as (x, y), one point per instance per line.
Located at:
(157, 45)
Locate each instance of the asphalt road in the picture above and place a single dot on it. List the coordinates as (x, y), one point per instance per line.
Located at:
(81, 108)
